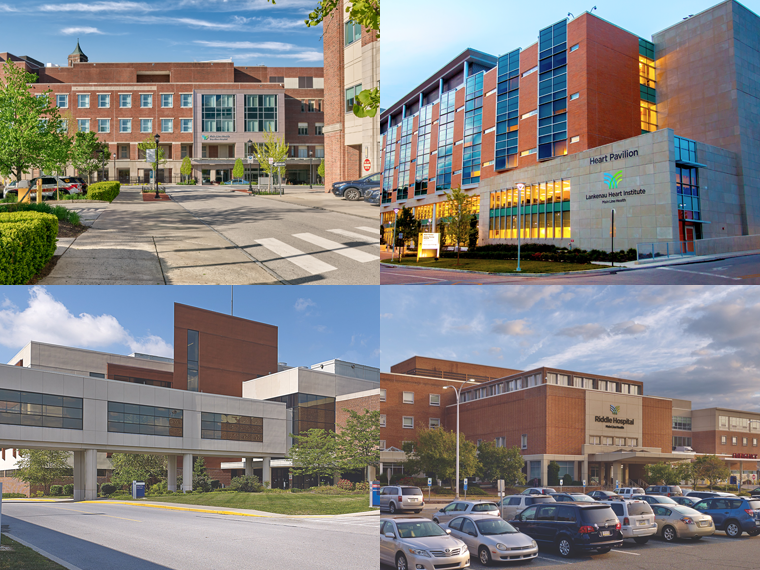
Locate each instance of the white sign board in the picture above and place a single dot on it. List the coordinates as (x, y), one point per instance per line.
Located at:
(150, 155)
(429, 242)
(271, 160)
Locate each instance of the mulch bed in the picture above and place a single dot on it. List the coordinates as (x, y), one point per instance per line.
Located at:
(65, 230)
(152, 197)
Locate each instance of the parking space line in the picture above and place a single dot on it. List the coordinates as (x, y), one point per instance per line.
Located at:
(554, 560)
(624, 552)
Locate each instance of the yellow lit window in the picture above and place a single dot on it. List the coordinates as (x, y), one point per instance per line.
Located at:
(648, 116)
(646, 72)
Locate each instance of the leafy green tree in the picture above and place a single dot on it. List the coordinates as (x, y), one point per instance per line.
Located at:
(321, 169)
(358, 440)
(315, 453)
(186, 169)
(552, 472)
(434, 451)
(472, 238)
(407, 225)
(459, 207)
(30, 126)
(89, 153)
(150, 143)
(275, 148)
(668, 473)
(57, 155)
(711, 468)
(128, 467)
(501, 463)
(42, 466)
(442, 229)
(238, 170)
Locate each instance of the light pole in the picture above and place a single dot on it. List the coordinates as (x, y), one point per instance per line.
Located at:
(250, 167)
(458, 392)
(520, 188)
(155, 180)
(395, 219)
(311, 178)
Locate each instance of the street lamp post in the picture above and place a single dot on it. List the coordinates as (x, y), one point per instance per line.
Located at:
(457, 392)
(395, 219)
(250, 167)
(311, 178)
(520, 188)
(155, 180)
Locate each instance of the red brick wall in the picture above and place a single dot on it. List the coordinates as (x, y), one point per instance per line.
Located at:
(566, 420)
(657, 423)
(466, 368)
(357, 405)
(334, 108)
(13, 485)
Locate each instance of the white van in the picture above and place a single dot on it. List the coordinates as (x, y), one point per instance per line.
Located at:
(628, 492)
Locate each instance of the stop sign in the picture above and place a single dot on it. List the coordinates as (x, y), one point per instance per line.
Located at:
(367, 164)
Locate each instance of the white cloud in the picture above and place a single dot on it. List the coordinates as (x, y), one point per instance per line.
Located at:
(97, 7)
(303, 56)
(386, 315)
(151, 344)
(6, 8)
(81, 30)
(512, 328)
(248, 45)
(303, 304)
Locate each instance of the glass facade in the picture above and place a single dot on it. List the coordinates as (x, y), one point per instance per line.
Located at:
(647, 85)
(404, 158)
(261, 113)
(309, 412)
(218, 113)
(507, 111)
(390, 158)
(687, 186)
(473, 129)
(545, 210)
(145, 420)
(447, 111)
(552, 91)
(682, 422)
(40, 410)
(230, 427)
(423, 150)
(192, 361)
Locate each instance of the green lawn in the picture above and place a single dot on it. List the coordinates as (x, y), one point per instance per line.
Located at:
(281, 503)
(496, 265)
(23, 558)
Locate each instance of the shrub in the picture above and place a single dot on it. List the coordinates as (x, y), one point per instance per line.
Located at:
(39, 494)
(27, 242)
(103, 191)
(69, 489)
(201, 483)
(56, 490)
(14, 496)
(247, 484)
(567, 479)
(345, 484)
(159, 488)
(215, 484)
(107, 489)
(362, 486)
(383, 478)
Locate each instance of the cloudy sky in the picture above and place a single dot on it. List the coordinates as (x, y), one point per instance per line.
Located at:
(251, 32)
(315, 323)
(420, 37)
(695, 343)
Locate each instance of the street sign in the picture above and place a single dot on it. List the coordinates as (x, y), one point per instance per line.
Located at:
(271, 160)
(561, 482)
(279, 164)
(465, 484)
(250, 158)
(430, 481)
(367, 165)
(150, 155)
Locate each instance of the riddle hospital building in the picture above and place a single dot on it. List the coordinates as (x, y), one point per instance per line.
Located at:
(590, 117)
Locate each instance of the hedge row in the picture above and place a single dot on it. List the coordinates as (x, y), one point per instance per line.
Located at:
(542, 252)
(103, 191)
(27, 242)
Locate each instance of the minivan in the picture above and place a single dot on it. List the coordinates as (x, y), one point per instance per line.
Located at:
(401, 498)
(664, 490)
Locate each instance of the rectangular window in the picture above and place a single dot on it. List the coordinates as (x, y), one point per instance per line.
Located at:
(83, 125)
(306, 83)
(40, 410)
(318, 128)
(83, 101)
(574, 96)
(186, 100)
(754, 442)
(218, 113)
(351, 94)
(303, 152)
(682, 422)
(733, 441)
(620, 441)
(146, 125)
(595, 440)
(146, 100)
(633, 442)
(575, 47)
(723, 440)
(408, 422)
(353, 32)
(125, 125)
(186, 125)
(606, 441)
(435, 399)
(260, 113)
(319, 152)
(382, 394)
(124, 151)
(167, 100)
(533, 113)
(434, 423)
(104, 100)
(62, 101)
(144, 420)
(575, 140)
(382, 420)
(408, 398)
(104, 125)
(276, 79)
(231, 427)
(744, 441)
(382, 445)
(527, 152)
(167, 125)
(303, 128)
(524, 441)
(192, 361)
(125, 100)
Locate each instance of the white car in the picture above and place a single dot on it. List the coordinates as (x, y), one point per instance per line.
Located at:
(628, 492)
(420, 544)
(492, 538)
(636, 519)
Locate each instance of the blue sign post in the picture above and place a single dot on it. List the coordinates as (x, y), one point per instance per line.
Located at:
(465, 488)
(375, 494)
(138, 489)
(430, 485)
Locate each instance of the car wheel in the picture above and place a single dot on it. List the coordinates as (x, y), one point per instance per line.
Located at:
(352, 194)
(565, 547)
(401, 562)
(603, 550)
(484, 556)
(669, 534)
(733, 530)
(641, 539)
(392, 508)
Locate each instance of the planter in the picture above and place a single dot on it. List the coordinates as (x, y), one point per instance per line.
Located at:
(151, 197)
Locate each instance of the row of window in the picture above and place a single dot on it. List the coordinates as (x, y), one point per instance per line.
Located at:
(734, 441)
(738, 424)
(103, 100)
(682, 422)
(408, 422)
(125, 125)
(408, 398)
(303, 128)
(680, 441)
(231, 427)
(40, 410)
(609, 440)
(551, 378)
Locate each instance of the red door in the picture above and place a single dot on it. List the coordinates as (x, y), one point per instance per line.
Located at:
(689, 234)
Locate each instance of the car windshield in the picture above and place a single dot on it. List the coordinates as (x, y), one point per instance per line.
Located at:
(639, 509)
(667, 500)
(491, 527)
(484, 507)
(582, 498)
(411, 491)
(599, 515)
(419, 529)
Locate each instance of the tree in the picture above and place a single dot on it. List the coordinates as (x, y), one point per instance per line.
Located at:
(29, 125)
(274, 148)
(407, 225)
(238, 171)
(434, 451)
(358, 440)
(458, 206)
(472, 238)
(442, 229)
(662, 474)
(501, 463)
(382, 234)
(148, 144)
(128, 467)
(89, 154)
(57, 155)
(552, 472)
(42, 466)
(187, 168)
(315, 453)
(321, 169)
(711, 468)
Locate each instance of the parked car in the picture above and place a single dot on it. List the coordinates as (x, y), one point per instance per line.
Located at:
(628, 492)
(679, 521)
(571, 498)
(755, 492)
(687, 501)
(356, 189)
(636, 519)
(665, 490)
(492, 538)
(708, 494)
(734, 515)
(515, 504)
(237, 181)
(401, 498)
(76, 180)
(538, 491)
(374, 197)
(603, 495)
(49, 186)
(655, 499)
(465, 507)
(420, 543)
(571, 527)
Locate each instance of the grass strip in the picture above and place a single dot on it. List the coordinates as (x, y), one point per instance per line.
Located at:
(496, 265)
(24, 558)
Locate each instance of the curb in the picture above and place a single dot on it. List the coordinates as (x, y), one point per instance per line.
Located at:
(580, 272)
(43, 553)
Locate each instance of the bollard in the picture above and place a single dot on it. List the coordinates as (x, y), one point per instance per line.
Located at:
(39, 190)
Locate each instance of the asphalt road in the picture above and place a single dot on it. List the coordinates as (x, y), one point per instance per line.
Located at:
(299, 244)
(102, 536)
(744, 270)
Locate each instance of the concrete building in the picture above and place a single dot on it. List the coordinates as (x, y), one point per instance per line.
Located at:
(352, 63)
(590, 118)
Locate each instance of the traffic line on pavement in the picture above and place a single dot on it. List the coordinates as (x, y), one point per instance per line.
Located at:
(361, 237)
(700, 273)
(339, 248)
(367, 229)
(554, 560)
(307, 262)
(624, 552)
(215, 512)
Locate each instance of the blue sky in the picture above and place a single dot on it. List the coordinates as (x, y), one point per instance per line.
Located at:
(315, 324)
(420, 37)
(252, 32)
(697, 343)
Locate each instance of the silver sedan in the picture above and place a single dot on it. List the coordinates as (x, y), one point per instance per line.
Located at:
(492, 538)
(421, 544)
(458, 508)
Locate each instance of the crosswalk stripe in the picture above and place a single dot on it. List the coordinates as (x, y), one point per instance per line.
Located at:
(361, 237)
(370, 230)
(296, 256)
(339, 248)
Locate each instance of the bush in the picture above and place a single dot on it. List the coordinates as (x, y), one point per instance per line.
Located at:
(27, 242)
(63, 214)
(69, 489)
(215, 484)
(107, 489)
(247, 484)
(39, 494)
(328, 490)
(345, 484)
(362, 486)
(14, 496)
(383, 478)
(56, 490)
(103, 191)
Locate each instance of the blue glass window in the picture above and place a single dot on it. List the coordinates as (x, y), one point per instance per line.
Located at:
(507, 111)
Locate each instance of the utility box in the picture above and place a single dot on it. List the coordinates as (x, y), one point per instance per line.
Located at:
(138, 489)
(24, 193)
(375, 490)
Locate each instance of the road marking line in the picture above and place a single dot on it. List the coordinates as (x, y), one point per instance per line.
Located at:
(624, 552)
(43, 553)
(181, 509)
(367, 229)
(418, 277)
(554, 560)
(308, 263)
(700, 273)
(339, 248)
(361, 237)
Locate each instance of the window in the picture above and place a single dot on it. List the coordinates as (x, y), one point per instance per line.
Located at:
(682, 422)
(83, 125)
(167, 125)
(146, 125)
(648, 116)
(408, 398)
(733, 440)
(524, 441)
(382, 445)
(533, 113)
(276, 79)
(595, 440)
(146, 99)
(186, 100)
(744, 441)
(104, 125)
(527, 152)
(351, 94)
(754, 442)
(104, 100)
(606, 441)
(353, 32)
(408, 422)
(552, 91)
(319, 151)
(167, 100)
(184, 150)
(434, 423)
(531, 70)
(260, 113)
(97, 375)
(723, 422)
(306, 83)
(318, 128)
(574, 96)
(620, 441)
(144, 420)
(124, 151)
(679, 441)
(125, 125)
(83, 101)
(473, 127)
(125, 100)
(575, 47)
(723, 440)
(575, 140)
(62, 101)
(186, 125)
(633, 442)
(303, 128)
(435, 399)
(382, 394)
(41, 410)
(501, 442)
(231, 427)
(192, 361)
(382, 420)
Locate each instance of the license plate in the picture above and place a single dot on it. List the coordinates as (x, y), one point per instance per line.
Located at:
(413, 500)
(605, 533)
(704, 523)
(642, 523)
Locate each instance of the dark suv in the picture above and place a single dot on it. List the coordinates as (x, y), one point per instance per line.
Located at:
(733, 515)
(571, 527)
(356, 189)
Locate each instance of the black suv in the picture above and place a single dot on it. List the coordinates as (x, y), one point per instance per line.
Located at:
(571, 527)
(604, 495)
(356, 189)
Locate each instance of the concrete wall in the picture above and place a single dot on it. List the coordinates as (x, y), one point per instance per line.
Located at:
(350, 369)
(304, 381)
